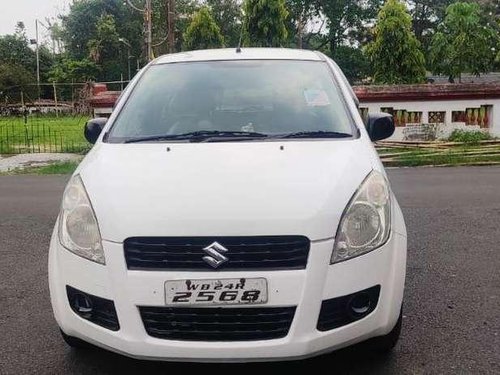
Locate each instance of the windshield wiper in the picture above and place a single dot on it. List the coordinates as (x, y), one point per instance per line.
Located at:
(317, 134)
(197, 136)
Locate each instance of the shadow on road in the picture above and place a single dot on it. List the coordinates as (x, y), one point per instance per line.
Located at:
(350, 360)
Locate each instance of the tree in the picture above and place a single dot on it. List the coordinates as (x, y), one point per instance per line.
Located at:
(490, 17)
(87, 21)
(265, 22)
(184, 11)
(347, 19)
(56, 35)
(68, 70)
(14, 49)
(106, 41)
(395, 53)
(203, 32)
(427, 15)
(463, 43)
(15, 79)
(301, 14)
(353, 63)
(227, 15)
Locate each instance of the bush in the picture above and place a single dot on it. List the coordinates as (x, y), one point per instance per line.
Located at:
(469, 136)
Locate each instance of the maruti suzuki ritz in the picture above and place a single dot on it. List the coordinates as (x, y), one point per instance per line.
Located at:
(232, 208)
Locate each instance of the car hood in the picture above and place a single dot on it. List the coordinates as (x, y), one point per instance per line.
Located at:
(223, 189)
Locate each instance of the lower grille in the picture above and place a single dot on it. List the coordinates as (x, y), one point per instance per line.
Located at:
(340, 311)
(217, 324)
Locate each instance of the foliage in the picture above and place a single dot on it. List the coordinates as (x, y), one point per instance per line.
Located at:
(15, 79)
(203, 32)
(427, 15)
(96, 37)
(471, 137)
(19, 66)
(184, 10)
(106, 40)
(301, 13)
(14, 49)
(353, 63)
(463, 43)
(395, 53)
(265, 23)
(347, 19)
(85, 34)
(227, 15)
(68, 70)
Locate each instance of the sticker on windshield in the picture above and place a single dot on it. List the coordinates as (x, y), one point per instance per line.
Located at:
(316, 98)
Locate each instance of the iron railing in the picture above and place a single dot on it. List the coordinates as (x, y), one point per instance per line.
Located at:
(37, 135)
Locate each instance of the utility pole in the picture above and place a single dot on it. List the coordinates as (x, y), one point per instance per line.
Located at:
(37, 42)
(149, 29)
(37, 59)
(148, 26)
(171, 25)
(129, 56)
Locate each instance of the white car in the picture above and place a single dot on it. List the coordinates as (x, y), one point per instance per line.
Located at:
(232, 208)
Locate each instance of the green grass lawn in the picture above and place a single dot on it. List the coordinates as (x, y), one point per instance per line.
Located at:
(458, 155)
(42, 134)
(65, 134)
(67, 167)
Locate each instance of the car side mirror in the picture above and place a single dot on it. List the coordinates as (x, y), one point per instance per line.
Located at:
(380, 126)
(93, 129)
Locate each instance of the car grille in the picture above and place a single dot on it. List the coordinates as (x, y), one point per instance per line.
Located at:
(217, 324)
(243, 253)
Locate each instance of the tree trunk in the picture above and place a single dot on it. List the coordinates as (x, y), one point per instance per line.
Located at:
(171, 25)
(333, 45)
(300, 31)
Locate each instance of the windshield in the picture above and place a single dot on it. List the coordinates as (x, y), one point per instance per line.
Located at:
(232, 99)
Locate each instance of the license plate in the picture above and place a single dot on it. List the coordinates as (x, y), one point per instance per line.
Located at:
(216, 292)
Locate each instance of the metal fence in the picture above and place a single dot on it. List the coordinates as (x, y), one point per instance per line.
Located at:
(37, 135)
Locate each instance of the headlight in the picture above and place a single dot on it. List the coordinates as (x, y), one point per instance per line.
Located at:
(78, 229)
(365, 224)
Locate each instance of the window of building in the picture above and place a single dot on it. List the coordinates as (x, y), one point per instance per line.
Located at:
(479, 116)
(458, 116)
(437, 117)
(403, 117)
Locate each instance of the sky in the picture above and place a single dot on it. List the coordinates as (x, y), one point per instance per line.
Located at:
(12, 11)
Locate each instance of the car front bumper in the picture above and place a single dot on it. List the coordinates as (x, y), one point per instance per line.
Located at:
(305, 289)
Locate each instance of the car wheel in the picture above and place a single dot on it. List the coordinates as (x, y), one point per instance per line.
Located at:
(75, 342)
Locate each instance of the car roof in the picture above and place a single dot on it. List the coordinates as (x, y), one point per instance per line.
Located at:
(244, 54)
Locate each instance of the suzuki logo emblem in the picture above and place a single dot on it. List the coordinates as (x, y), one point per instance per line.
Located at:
(214, 257)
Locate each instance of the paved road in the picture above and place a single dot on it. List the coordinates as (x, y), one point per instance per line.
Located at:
(452, 308)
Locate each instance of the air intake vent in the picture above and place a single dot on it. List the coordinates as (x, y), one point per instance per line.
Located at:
(217, 324)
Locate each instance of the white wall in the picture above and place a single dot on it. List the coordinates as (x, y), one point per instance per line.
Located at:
(447, 106)
(102, 112)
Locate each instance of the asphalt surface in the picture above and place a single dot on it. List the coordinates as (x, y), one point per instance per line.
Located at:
(452, 304)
